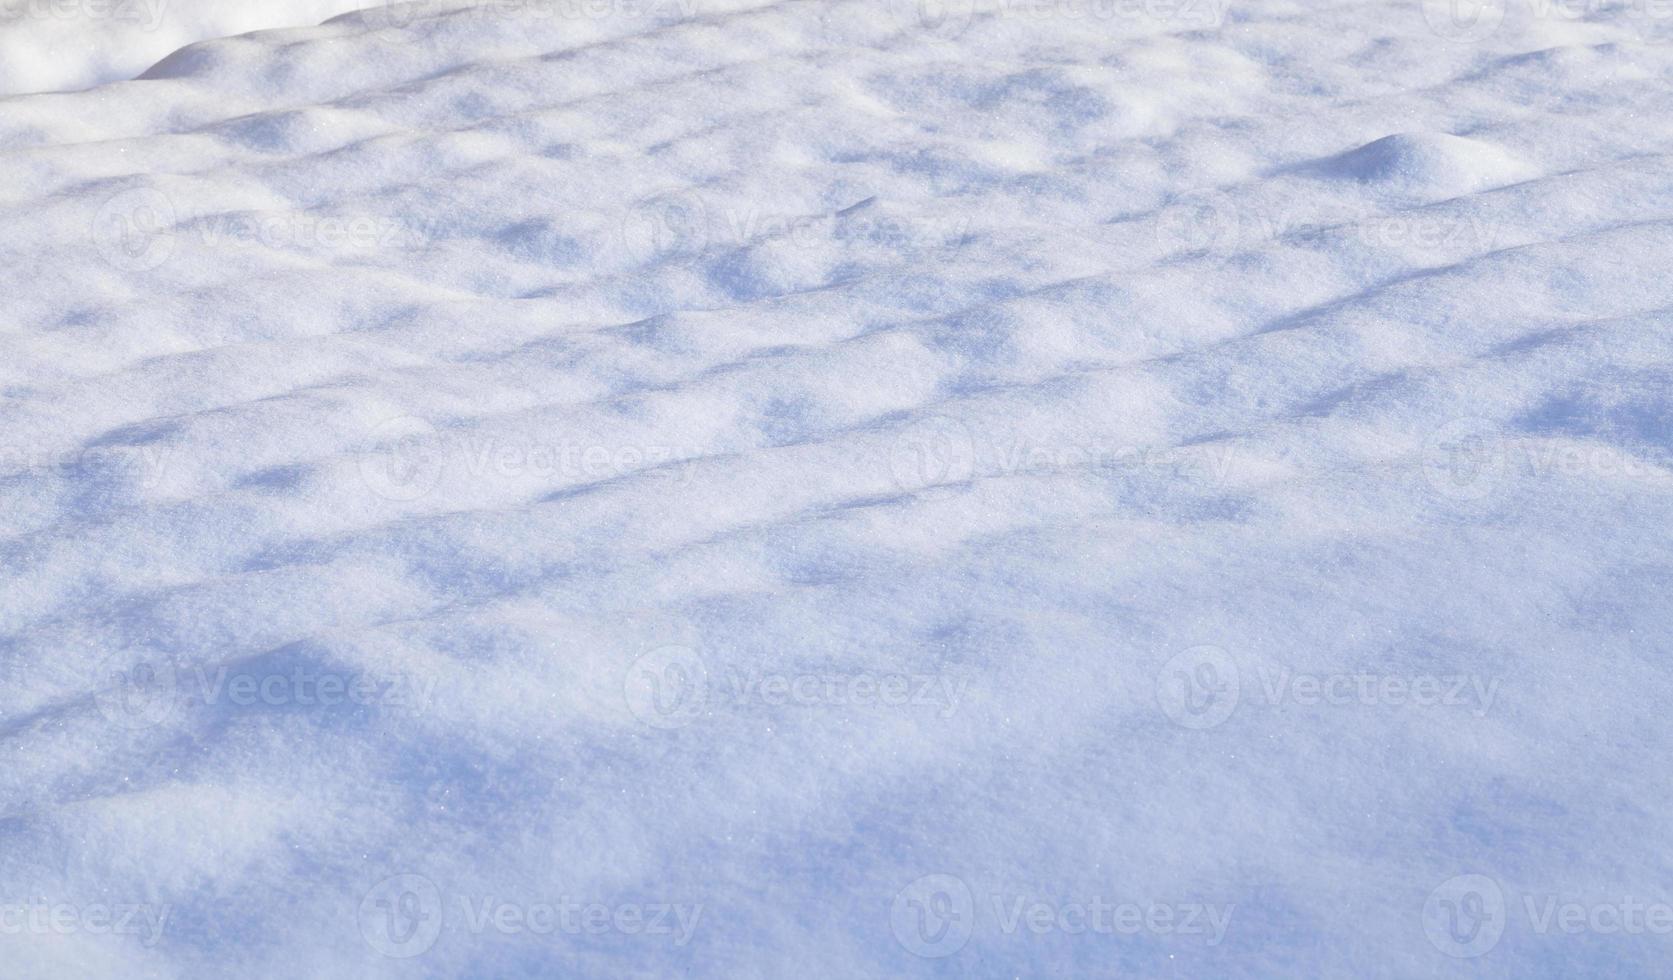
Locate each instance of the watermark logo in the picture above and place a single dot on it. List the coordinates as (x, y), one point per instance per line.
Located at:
(406, 462)
(134, 231)
(404, 915)
(137, 694)
(401, 917)
(936, 692)
(936, 915)
(139, 230)
(1199, 223)
(1464, 21)
(408, 457)
(1464, 459)
(668, 227)
(939, 20)
(932, 451)
(1207, 463)
(858, 227)
(1099, 916)
(1470, 458)
(302, 230)
(1215, 222)
(933, 916)
(667, 688)
(1199, 688)
(676, 921)
(1464, 916)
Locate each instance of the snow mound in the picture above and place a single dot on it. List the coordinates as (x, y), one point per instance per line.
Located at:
(52, 45)
(1428, 165)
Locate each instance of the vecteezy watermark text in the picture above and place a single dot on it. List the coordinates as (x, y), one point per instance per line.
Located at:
(936, 915)
(1467, 915)
(140, 229)
(672, 686)
(1470, 458)
(939, 450)
(142, 465)
(408, 457)
(138, 693)
(403, 916)
(43, 918)
(1201, 687)
(146, 14)
(949, 20)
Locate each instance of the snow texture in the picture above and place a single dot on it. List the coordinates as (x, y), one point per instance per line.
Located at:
(654, 488)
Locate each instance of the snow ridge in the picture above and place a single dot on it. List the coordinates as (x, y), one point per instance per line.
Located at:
(736, 488)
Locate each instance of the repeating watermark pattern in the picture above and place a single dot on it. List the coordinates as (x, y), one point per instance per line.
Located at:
(42, 918)
(672, 686)
(938, 20)
(141, 467)
(668, 687)
(1464, 459)
(1216, 221)
(392, 20)
(950, 20)
(938, 693)
(134, 230)
(1209, 463)
(404, 915)
(864, 228)
(139, 230)
(137, 694)
(1467, 916)
(145, 15)
(679, 226)
(1475, 21)
(1470, 458)
(407, 459)
(676, 922)
(306, 231)
(936, 451)
(932, 451)
(142, 693)
(936, 915)
(1464, 21)
(1200, 222)
(409, 456)
(401, 916)
(667, 227)
(1201, 687)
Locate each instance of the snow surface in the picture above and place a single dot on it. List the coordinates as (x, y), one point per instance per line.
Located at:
(52, 45)
(839, 489)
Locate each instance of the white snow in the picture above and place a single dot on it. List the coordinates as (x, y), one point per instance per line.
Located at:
(819, 488)
(51, 45)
